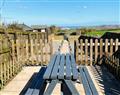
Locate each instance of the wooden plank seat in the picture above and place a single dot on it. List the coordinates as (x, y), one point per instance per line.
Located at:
(62, 67)
(87, 82)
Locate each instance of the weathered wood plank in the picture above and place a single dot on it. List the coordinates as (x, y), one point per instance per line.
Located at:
(84, 82)
(55, 68)
(91, 84)
(74, 67)
(50, 67)
(61, 67)
(68, 67)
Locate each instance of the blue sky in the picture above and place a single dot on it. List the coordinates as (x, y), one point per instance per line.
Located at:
(62, 12)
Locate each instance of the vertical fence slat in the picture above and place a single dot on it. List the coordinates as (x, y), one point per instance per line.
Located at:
(81, 51)
(14, 57)
(101, 50)
(91, 51)
(96, 50)
(106, 47)
(1, 66)
(116, 44)
(27, 49)
(41, 51)
(111, 47)
(36, 51)
(86, 51)
(18, 54)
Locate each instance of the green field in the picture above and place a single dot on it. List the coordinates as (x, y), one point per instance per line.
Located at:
(100, 33)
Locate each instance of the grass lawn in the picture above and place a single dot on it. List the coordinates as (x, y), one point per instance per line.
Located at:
(100, 33)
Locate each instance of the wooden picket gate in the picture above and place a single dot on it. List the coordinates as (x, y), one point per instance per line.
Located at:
(91, 51)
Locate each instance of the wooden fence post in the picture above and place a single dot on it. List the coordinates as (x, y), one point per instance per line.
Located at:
(14, 57)
(106, 47)
(101, 50)
(86, 51)
(31, 50)
(96, 50)
(81, 51)
(116, 45)
(36, 51)
(111, 47)
(41, 51)
(1, 66)
(91, 51)
(18, 54)
(27, 49)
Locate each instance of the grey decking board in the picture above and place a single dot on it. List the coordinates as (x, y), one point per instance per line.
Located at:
(50, 67)
(61, 67)
(71, 87)
(68, 67)
(74, 67)
(55, 68)
(84, 82)
(92, 86)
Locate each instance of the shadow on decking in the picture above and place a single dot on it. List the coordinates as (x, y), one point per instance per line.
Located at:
(107, 82)
(35, 81)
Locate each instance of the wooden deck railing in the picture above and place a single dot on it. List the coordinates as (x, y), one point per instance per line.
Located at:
(19, 49)
(91, 51)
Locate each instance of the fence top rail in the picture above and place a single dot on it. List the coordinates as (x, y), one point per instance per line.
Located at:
(104, 42)
(98, 44)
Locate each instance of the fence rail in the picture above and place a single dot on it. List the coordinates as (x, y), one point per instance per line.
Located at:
(19, 49)
(91, 51)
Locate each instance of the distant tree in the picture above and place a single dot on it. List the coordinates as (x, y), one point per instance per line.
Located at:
(85, 30)
(54, 29)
